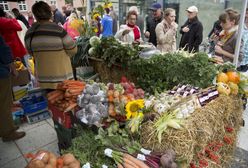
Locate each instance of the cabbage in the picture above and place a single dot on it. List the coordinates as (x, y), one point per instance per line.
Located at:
(92, 51)
(95, 41)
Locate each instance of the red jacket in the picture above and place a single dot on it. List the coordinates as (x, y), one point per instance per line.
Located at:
(8, 30)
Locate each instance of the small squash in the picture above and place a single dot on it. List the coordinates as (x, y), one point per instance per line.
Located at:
(223, 88)
(233, 77)
(222, 77)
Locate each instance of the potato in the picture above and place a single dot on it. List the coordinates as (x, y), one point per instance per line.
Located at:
(49, 166)
(68, 159)
(52, 160)
(45, 158)
(75, 164)
(36, 164)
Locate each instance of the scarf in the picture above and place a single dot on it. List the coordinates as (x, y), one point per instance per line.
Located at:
(135, 31)
(226, 35)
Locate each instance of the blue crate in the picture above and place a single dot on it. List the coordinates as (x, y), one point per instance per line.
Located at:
(33, 104)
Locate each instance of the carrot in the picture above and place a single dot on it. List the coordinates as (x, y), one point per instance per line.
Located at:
(70, 107)
(119, 165)
(75, 92)
(139, 163)
(127, 161)
(54, 95)
(60, 163)
(127, 165)
(110, 98)
(29, 156)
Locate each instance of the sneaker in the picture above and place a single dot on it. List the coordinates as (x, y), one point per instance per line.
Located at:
(13, 136)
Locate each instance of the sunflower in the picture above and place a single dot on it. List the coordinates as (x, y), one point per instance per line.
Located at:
(133, 107)
(107, 5)
(96, 16)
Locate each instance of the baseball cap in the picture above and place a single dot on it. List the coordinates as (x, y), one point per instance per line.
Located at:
(192, 9)
(155, 6)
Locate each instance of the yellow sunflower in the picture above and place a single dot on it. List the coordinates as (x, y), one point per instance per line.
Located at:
(133, 107)
(95, 30)
(107, 5)
(95, 16)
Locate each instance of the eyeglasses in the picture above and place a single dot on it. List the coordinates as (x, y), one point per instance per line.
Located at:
(133, 19)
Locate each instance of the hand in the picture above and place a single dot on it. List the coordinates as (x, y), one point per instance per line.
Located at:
(147, 34)
(13, 70)
(126, 32)
(185, 29)
(218, 49)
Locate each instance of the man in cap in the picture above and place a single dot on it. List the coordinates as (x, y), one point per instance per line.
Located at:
(152, 23)
(192, 31)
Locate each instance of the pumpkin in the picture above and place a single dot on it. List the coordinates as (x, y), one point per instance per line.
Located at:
(222, 77)
(223, 88)
(233, 77)
(234, 88)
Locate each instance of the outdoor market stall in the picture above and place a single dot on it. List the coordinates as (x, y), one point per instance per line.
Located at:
(181, 111)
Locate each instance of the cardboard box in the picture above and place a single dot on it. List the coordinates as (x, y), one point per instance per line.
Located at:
(23, 78)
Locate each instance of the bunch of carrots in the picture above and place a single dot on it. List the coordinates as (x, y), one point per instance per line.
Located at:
(65, 96)
(124, 160)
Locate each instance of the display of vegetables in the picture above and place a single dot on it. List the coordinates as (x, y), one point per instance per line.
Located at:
(162, 102)
(93, 103)
(163, 72)
(124, 160)
(65, 96)
(46, 159)
(120, 94)
(113, 52)
(227, 83)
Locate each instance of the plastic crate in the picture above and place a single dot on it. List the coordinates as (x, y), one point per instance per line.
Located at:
(33, 104)
(63, 118)
(38, 116)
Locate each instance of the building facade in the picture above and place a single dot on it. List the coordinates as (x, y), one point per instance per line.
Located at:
(25, 6)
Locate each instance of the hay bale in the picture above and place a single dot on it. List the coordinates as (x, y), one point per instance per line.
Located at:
(203, 127)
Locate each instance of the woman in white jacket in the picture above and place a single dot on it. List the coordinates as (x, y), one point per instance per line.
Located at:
(166, 32)
(129, 32)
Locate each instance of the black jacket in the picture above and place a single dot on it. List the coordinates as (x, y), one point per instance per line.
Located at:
(23, 19)
(151, 24)
(216, 29)
(5, 59)
(191, 40)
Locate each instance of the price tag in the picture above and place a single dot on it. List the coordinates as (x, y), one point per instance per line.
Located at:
(87, 165)
(145, 151)
(108, 152)
(141, 157)
(104, 166)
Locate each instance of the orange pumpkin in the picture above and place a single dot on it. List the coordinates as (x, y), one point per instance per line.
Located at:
(222, 77)
(233, 77)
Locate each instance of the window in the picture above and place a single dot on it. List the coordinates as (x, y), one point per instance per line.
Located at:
(53, 2)
(22, 6)
(4, 5)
